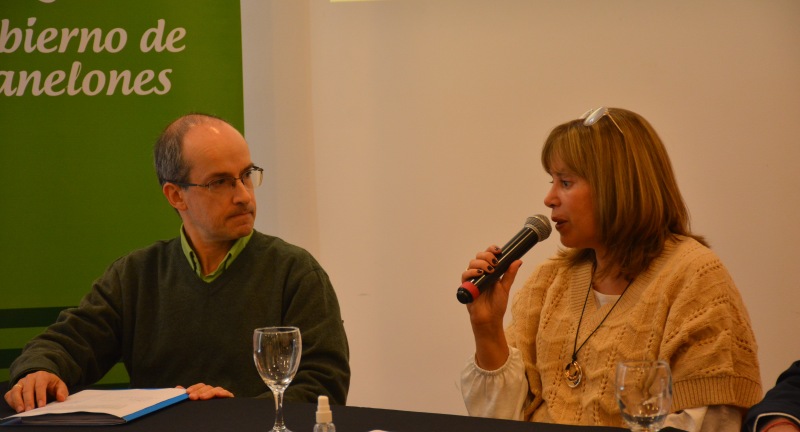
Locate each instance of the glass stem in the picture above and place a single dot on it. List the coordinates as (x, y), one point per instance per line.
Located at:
(279, 425)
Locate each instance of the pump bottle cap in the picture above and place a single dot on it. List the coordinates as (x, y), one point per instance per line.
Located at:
(324, 414)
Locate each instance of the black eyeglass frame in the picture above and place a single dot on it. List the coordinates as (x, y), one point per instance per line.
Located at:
(216, 184)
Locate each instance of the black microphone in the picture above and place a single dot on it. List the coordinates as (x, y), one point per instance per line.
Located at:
(536, 229)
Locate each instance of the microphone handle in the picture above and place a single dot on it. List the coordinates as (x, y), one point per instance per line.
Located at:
(511, 251)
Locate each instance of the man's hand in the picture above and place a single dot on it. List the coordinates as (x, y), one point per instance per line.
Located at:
(33, 390)
(202, 391)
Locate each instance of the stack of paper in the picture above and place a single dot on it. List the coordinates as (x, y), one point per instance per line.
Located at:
(100, 407)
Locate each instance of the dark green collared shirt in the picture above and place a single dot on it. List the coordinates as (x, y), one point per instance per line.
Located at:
(235, 250)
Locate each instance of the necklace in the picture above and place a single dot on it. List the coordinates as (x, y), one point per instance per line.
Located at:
(573, 372)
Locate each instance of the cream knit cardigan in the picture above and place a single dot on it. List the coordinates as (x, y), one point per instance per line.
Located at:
(685, 309)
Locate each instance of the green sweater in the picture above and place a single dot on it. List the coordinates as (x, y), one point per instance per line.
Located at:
(152, 311)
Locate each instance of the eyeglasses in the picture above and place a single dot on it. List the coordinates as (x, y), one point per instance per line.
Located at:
(250, 178)
(593, 116)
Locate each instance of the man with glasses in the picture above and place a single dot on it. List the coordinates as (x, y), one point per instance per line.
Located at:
(182, 312)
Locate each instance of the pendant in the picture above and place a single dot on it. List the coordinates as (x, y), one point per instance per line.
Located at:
(573, 373)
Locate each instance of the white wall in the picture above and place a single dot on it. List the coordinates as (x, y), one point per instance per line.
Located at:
(403, 136)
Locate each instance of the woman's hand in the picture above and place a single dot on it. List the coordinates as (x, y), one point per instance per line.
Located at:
(487, 311)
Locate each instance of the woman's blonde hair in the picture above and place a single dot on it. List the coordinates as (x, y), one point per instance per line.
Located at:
(637, 202)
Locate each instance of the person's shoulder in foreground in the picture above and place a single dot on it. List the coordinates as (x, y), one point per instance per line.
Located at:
(779, 411)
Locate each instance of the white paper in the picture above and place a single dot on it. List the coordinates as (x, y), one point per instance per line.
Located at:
(119, 403)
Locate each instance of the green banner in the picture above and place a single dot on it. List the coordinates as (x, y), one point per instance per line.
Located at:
(86, 86)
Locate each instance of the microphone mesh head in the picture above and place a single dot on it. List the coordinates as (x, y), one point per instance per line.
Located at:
(541, 225)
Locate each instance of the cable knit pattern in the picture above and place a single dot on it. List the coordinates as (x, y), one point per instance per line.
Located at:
(684, 309)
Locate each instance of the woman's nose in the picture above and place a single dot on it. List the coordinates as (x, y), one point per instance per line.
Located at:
(550, 199)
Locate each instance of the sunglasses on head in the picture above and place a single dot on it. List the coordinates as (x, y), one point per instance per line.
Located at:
(594, 115)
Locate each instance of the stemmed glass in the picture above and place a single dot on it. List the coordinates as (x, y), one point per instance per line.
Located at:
(644, 393)
(276, 351)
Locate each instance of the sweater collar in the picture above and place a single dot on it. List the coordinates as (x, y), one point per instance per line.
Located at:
(234, 252)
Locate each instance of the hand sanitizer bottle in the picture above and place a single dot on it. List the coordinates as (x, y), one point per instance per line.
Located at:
(324, 416)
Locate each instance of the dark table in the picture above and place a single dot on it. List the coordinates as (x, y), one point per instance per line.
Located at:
(245, 414)
(258, 415)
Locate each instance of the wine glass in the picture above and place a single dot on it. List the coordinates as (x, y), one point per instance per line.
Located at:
(644, 393)
(276, 351)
